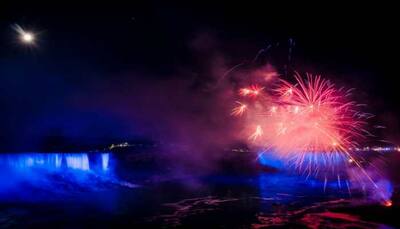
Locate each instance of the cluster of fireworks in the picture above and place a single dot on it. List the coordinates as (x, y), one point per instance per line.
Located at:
(309, 116)
(311, 125)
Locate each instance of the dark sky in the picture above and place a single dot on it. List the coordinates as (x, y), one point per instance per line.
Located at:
(105, 72)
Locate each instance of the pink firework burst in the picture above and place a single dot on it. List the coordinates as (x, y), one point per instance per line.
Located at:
(311, 124)
(314, 116)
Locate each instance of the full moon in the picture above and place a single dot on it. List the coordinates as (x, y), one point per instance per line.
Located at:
(27, 37)
(24, 36)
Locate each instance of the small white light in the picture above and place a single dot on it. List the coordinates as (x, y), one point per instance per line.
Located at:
(27, 37)
(350, 160)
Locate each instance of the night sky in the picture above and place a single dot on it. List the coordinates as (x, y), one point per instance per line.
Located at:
(103, 73)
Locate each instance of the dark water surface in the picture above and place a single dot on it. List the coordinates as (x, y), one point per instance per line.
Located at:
(97, 191)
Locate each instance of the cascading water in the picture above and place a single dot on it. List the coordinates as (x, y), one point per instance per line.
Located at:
(97, 162)
(63, 173)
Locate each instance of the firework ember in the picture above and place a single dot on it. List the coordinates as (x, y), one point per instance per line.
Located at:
(252, 91)
(239, 110)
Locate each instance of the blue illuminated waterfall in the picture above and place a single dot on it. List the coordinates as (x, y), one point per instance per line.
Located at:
(97, 162)
(20, 173)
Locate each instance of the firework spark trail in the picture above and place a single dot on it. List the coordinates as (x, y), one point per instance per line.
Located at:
(310, 124)
(239, 110)
(257, 133)
(252, 91)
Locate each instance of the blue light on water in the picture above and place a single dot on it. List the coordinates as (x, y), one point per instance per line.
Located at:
(270, 160)
(289, 176)
(310, 160)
